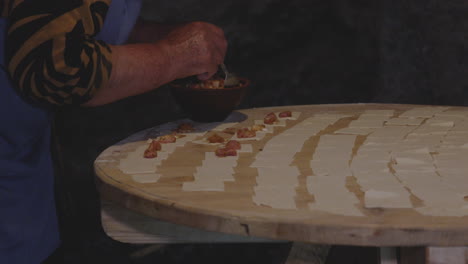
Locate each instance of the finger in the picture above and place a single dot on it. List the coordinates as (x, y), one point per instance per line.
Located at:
(219, 39)
(207, 75)
(203, 77)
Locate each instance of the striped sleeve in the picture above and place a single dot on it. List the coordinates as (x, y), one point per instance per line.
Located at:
(51, 50)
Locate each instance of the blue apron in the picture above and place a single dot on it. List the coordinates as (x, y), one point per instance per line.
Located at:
(28, 221)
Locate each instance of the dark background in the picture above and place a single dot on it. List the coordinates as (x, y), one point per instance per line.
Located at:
(294, 52)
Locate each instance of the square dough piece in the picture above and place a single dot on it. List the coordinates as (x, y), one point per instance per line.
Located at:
(401, 121)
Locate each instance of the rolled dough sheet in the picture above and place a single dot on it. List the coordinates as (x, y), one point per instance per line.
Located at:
(355, 131)
(400, 121)
(366, 123)
(246, 148)
(453, 113)
(443, 211)
(279, 123)
(379, 112)
(422, 112)
(294, 115)
(259, 136)
(204, 141)
(146, 178)
(223, 126)
(135, 163)
(331, 195)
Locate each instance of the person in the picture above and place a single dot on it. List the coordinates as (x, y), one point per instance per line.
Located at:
(61, 53)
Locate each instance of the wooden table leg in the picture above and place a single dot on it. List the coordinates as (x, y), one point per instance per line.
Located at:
(388, 255)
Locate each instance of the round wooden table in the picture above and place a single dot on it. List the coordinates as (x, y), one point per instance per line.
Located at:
(233, 209)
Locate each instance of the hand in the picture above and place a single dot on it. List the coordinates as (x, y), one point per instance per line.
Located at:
(187, 50)
(195, 48)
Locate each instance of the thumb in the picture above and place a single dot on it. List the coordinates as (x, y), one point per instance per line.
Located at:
(204, 76)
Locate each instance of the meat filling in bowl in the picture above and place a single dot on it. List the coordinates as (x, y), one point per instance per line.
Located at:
(209, 84)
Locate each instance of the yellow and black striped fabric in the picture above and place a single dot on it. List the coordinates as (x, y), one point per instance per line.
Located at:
(51, 52)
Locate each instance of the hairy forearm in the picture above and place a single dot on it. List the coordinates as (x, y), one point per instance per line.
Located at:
(194, 49)
(137, 68)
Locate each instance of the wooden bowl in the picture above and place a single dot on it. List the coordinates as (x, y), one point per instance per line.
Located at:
(209, 105)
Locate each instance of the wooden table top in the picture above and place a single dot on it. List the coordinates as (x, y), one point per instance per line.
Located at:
(332, 202)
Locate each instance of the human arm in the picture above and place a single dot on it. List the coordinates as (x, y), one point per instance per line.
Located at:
(54, 58)
(191, 49)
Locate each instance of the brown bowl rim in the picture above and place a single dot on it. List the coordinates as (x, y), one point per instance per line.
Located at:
(244, 83)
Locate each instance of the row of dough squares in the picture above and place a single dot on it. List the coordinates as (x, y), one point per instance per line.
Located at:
(277, 181)
(215, 171)
(382, 188)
